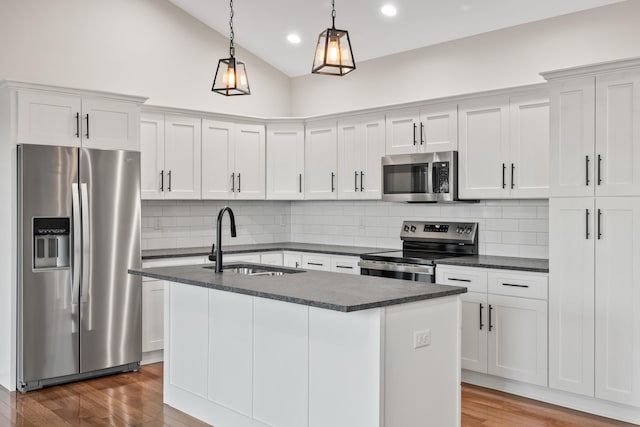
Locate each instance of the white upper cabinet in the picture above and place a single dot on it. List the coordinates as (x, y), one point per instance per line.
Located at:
(321, 161)
(217, 148)
(360, 149)
(182, 147)
(75, 120)
(233, 161)
(595, 134)
(285, 161)
(617, 150)
(504, 146)
(152, 156)
(529, 140)
(484, 148)
(428, 129)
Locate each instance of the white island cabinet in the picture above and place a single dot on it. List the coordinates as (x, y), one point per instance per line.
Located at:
(239, 360)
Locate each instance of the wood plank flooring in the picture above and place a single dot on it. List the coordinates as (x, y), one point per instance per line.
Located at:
(135, 399)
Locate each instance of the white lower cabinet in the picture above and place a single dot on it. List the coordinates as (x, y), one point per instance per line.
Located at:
(504, 321)
(292, 259)
(271, 258)
(594, 346)
(152, 315)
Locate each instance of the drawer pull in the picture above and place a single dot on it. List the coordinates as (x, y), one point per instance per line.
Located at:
(344, 266)
(513, 285)
(315, 263)
(481, 324)
(453, 279)
(490, 311)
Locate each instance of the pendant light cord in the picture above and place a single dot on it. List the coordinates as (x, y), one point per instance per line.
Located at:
(232, 49)
(333, 13)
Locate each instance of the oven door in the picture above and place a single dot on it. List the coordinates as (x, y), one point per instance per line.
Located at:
(391, 270)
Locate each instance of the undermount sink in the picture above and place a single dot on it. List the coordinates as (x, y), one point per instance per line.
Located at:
(256, 270)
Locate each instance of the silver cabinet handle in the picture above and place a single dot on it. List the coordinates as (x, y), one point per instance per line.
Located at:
(162, 180)
(77, 125)
(233, 182)
(238, 182)
(586, 169)
(586, 223)
(513, 168)
(599, 169)
(169, 186)
(361, 181)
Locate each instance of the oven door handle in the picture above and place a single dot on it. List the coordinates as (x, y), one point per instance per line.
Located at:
(400, 268)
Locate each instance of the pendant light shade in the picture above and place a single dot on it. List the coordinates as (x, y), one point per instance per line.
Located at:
(231, 75)
(333, 51)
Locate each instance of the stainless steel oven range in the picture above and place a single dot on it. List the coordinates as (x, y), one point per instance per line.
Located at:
(423, 242)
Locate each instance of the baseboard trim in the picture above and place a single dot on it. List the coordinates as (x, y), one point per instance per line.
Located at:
(152, 357)
(589, 405)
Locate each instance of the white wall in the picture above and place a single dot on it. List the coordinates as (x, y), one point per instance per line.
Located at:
(498, 59)
(138, 47)
(505, 227)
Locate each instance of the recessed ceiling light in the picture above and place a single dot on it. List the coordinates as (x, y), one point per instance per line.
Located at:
(293, 38)
(388, 10)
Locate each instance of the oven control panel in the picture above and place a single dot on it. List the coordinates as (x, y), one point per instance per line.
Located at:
(463, 232)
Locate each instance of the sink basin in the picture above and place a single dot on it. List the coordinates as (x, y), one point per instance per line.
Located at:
(256, 270)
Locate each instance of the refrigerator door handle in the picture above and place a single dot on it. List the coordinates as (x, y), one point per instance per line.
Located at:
(85, 290)
(77, 244)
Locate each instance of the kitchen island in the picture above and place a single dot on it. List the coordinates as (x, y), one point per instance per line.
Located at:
(309, 348)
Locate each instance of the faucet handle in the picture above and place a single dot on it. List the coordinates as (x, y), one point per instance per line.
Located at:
(213, 249)
(212, 255)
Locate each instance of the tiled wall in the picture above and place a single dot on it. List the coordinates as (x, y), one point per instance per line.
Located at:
(506, 227)
(183, 224)
(509, 228)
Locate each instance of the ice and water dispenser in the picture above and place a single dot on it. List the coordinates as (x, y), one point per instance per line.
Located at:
(51, 243)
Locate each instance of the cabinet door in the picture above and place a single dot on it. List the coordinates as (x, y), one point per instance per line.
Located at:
(217, 144)
(349, 159)
(617, 300)
(182, 158)
(285, 162)
(474, 331)
(152, 156)
(518, 339)
(571, 138)
(290, 259)
(618, 134)
(529, 135)
(571, 294)
(249, 152)
(402, 132)
(48, 119)
(152, 315)
(439, 128)
(110, 125)
(484, 149)
(371, 152)
(320, 165)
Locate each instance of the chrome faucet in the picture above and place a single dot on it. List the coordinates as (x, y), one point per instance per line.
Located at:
(218, 245)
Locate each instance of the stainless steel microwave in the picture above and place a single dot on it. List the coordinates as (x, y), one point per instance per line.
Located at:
(421, 177)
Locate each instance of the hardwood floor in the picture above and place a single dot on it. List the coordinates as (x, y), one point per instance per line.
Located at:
(135, 399)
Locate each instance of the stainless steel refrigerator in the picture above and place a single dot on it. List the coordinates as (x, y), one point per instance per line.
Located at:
(79, 311)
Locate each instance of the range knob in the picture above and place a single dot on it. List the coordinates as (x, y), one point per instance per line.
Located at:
(458, 230)
(413, 228)
(406, 228)
(468, 230)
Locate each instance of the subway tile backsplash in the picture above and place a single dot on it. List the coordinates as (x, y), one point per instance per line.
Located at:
(506, 227)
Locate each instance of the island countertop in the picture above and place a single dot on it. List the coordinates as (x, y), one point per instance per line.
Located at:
(332, 291)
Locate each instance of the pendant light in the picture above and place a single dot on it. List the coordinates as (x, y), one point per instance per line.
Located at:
(333, 52)
(231, 74)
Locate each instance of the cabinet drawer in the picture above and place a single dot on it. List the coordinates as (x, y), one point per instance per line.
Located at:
(473, 279)
(316, 262)
(503, 282)
(347, 265)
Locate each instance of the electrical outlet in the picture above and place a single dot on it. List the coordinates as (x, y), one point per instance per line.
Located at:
(422, 338)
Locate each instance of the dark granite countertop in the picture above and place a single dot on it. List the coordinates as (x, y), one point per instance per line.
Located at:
(262, 247)
(538, 265)
(332, 291)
